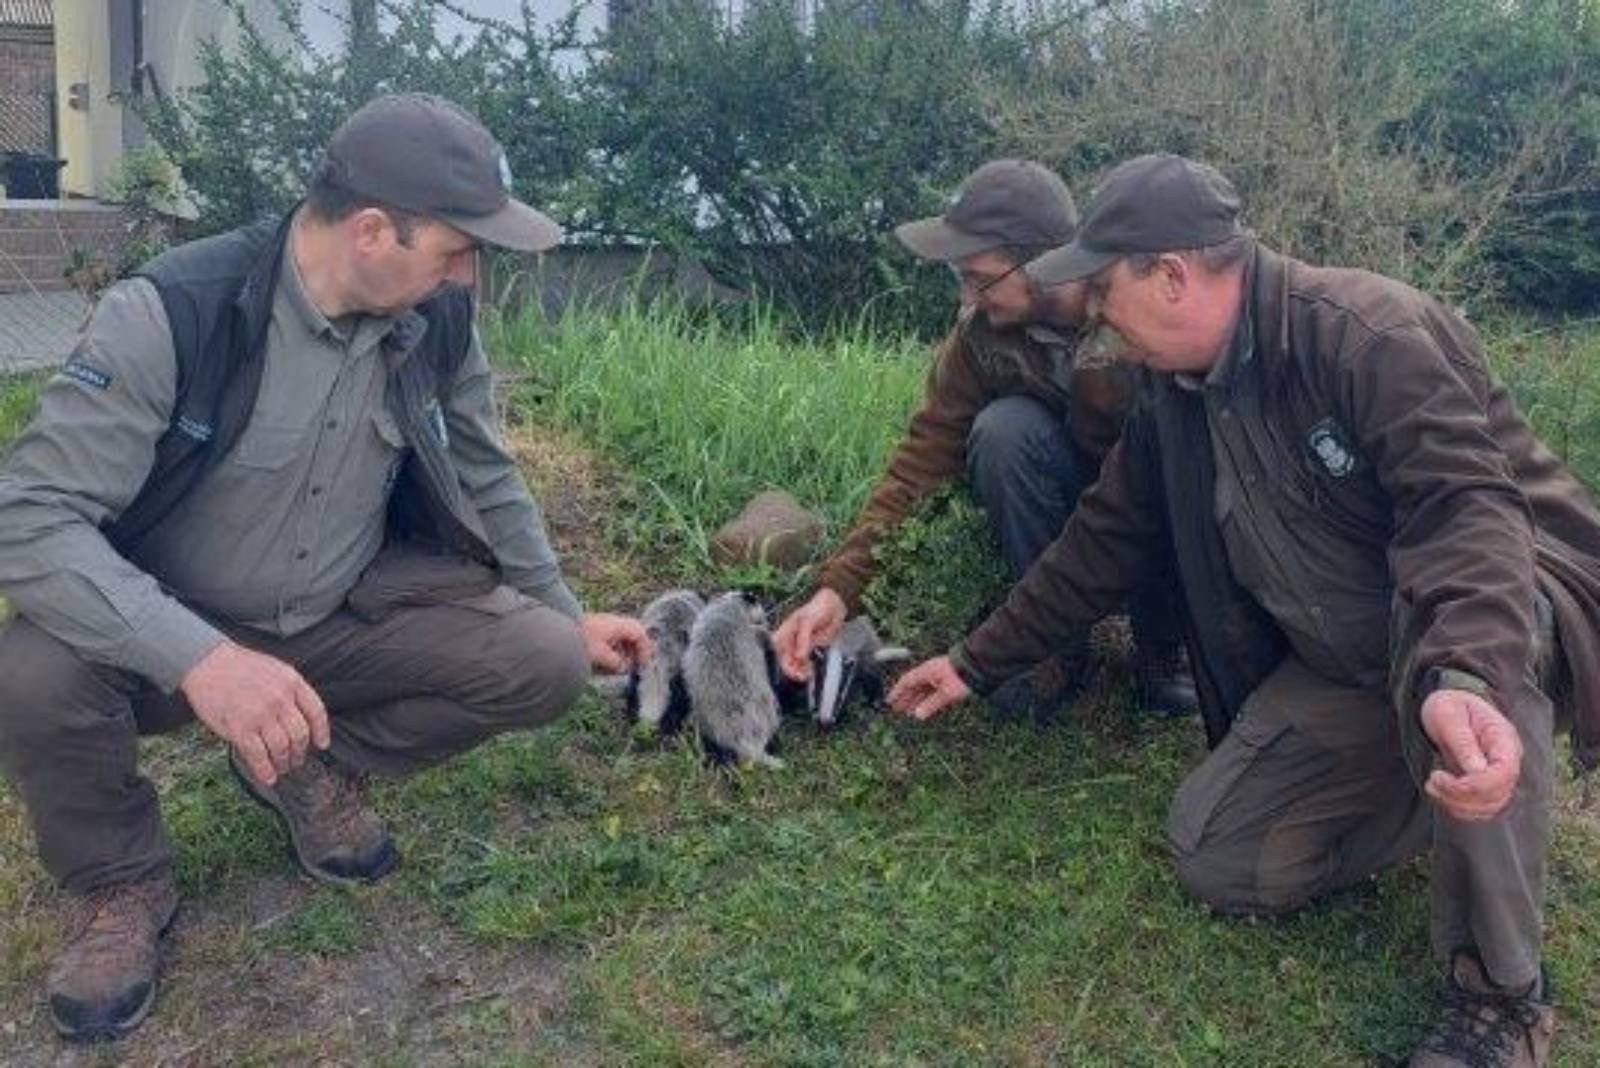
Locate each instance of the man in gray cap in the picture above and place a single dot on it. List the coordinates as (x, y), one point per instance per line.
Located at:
(266, 492)
(1393, 587)
(1008, 403)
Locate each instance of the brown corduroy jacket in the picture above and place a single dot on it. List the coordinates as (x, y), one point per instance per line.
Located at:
(1473, 512)
(975, 364)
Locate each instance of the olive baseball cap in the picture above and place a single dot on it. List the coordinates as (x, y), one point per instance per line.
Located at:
(1155, 203)
(422, 153)
(1003, 202)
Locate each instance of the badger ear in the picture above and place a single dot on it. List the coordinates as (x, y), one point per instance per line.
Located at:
(891, 654)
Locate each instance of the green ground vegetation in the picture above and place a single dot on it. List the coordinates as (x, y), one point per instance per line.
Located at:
(956, 893)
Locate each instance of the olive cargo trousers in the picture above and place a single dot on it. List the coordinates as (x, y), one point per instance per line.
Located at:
(428, 658)
(1310, 792)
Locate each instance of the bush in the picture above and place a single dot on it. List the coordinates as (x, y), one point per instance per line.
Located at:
(782, 154)
(1452, 143)
(1445, 142)
(248, 138)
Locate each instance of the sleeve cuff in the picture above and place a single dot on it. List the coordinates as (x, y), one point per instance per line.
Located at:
(168, 642)
(976, 681)
(562, 599)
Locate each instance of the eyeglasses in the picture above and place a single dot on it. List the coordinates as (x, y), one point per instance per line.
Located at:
(978, 288)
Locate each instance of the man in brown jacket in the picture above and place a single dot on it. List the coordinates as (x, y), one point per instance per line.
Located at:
(1008, 404)
(1392, 587)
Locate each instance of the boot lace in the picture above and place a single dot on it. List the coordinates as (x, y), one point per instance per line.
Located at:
(1481, 1030)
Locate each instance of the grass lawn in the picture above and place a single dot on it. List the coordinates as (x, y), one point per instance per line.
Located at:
(957, 893)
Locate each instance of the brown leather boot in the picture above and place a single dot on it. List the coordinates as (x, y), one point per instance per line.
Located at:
(333, 835)
(1487, 1026)
(103, 981)
(1165, 683)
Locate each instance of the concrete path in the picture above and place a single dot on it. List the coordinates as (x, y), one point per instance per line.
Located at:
(38, 329)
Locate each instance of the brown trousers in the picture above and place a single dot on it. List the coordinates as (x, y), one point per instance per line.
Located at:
(427, 659)
(1310, 792)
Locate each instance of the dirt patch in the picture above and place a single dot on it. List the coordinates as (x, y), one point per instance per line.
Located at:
(579, 492)
(415, 989)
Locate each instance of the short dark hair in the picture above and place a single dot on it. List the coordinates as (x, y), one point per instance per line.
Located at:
(330, 202)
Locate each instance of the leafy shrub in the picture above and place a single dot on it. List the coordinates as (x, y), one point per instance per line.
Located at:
(782, 153)
(249, 136)
(1452, 143)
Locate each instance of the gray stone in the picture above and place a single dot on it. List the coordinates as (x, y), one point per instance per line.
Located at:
(772, 529)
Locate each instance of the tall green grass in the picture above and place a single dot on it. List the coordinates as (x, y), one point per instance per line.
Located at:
(707, 411)
(1553, 369)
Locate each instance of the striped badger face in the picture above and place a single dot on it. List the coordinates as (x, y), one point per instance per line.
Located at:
(850, 669)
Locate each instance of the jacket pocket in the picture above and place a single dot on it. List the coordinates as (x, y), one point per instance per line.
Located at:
(267, 448)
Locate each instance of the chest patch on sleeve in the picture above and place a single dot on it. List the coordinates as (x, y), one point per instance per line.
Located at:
(88, 375)
(1330, 446)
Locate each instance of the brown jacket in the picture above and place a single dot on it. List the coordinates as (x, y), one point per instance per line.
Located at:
(977, 363)
(1471, 509)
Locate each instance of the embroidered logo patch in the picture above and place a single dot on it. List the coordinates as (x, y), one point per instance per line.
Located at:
(1329, 444)
(89, 376)
(192, 428)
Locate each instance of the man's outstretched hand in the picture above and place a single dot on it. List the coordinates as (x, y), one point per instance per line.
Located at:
(259, 705)
(614, 643)
(814, 623)
(928, 689)
(1480, 750)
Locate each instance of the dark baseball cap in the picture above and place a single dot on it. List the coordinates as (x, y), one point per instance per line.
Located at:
(422, 153)
(1158, 203)
(1003, 202)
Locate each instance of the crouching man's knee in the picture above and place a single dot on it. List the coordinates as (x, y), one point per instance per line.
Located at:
(549, 675)
(1219, 870)
(1244, 878)
(1204, 877)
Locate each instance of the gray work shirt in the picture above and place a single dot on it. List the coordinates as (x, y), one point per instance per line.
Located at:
(1320, 586)
(281, 529)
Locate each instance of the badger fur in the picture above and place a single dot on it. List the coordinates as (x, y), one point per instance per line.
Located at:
(852, 666)
(725, 672)
(657, 696)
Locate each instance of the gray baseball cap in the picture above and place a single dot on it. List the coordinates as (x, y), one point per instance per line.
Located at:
(1158, 203)
(422, 153)
(1004, 202)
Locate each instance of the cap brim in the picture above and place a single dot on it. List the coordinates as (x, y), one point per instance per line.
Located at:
(515, 226)
(935, 239)
(1068, 264)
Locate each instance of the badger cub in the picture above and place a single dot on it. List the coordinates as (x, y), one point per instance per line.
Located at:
(657, 695)
(851, 668)
(731, 700)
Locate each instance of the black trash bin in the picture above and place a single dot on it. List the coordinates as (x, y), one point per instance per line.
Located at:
(32, 176)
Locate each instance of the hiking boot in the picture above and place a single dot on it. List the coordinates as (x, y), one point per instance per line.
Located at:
(1165, 683)
(1487, 1026)
(103, 981)
(1043, 693)
(334, 836)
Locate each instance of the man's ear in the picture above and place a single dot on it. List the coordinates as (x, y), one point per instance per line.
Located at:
(369, 226)
(1173, 272)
